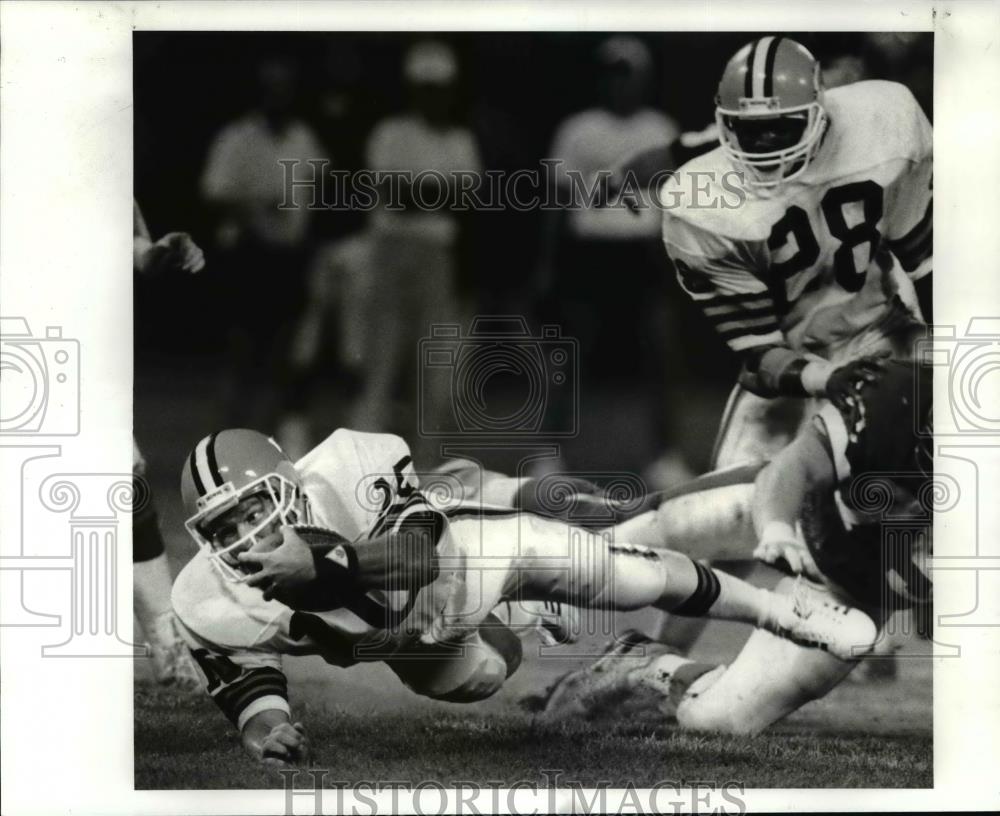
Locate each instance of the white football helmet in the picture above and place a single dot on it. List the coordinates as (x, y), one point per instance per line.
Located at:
(769, 111)
(223, 470)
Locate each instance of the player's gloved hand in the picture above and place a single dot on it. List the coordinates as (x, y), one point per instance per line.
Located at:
(778, 543)
(287, 746)
(174, 252)
(845, 382)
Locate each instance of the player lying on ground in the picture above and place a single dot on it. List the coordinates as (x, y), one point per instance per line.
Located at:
(816, 510)
(391, 578)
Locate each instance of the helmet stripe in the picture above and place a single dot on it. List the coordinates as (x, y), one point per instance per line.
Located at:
(759, 60)
(199, 485)
(205, 478)
(772, 52)
(213, 463)
(748, 77)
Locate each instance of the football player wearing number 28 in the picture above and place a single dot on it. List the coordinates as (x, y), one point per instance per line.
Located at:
(818, 268)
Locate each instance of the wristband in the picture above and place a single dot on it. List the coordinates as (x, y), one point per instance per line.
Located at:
(814, 376)
(790, 380)
(336, 567)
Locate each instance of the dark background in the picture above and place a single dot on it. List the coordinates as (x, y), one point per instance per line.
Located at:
(514, 87)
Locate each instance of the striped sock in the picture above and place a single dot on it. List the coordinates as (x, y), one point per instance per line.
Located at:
(721, 595)
(704, 595)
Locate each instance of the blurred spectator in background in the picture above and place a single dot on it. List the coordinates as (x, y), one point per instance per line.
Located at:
(603, 265)
(175, 253)
(263, 249)
(332, 338)
(413, 248)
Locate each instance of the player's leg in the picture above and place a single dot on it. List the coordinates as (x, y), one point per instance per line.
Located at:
(464, 672)
(750, 695)
(558, 562)
(770, 678)
(151, 583)
(753, 428)
(552, 621)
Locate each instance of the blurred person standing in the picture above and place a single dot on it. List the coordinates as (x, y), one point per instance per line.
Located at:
(601, 268)
(174, 254)
(263, 247)
(414, 236)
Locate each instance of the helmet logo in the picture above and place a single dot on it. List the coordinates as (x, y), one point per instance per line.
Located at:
(219, 495)
(766, 105)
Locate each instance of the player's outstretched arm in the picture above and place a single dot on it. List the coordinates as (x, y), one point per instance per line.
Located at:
(317, 569)
(771, 371)
(780, 491)
(174, 252)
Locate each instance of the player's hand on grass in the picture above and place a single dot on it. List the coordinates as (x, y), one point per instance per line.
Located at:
(845, 382)
(288, 567)
(287, 746)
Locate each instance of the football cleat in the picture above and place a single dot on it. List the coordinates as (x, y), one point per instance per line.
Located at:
(810, 616)
(628, 669)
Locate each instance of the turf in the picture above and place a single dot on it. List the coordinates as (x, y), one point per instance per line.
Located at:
(183, 742)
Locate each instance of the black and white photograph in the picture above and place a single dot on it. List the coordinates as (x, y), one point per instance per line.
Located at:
(524, 417)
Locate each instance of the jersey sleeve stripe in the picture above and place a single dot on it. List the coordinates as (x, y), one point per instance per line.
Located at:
(735, 308)
(739, 299)
(918, 231)
(753, 325)
(269, 703)
(915, 247)
(263, 682)
(743, 314)
(751, 340)
(912, 257)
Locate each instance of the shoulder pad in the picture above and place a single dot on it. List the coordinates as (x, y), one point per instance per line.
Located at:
(230, 615)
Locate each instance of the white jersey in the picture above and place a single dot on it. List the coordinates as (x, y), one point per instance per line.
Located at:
(828, 257)
(357, 484)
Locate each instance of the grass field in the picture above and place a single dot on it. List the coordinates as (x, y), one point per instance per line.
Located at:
(365, 726)
(184, 743)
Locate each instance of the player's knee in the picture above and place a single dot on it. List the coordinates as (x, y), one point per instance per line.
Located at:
(503, 640)
(700, 710)
(475, 674)
(483, 682)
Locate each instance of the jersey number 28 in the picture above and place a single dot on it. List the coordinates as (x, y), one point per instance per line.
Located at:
(794, 224)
